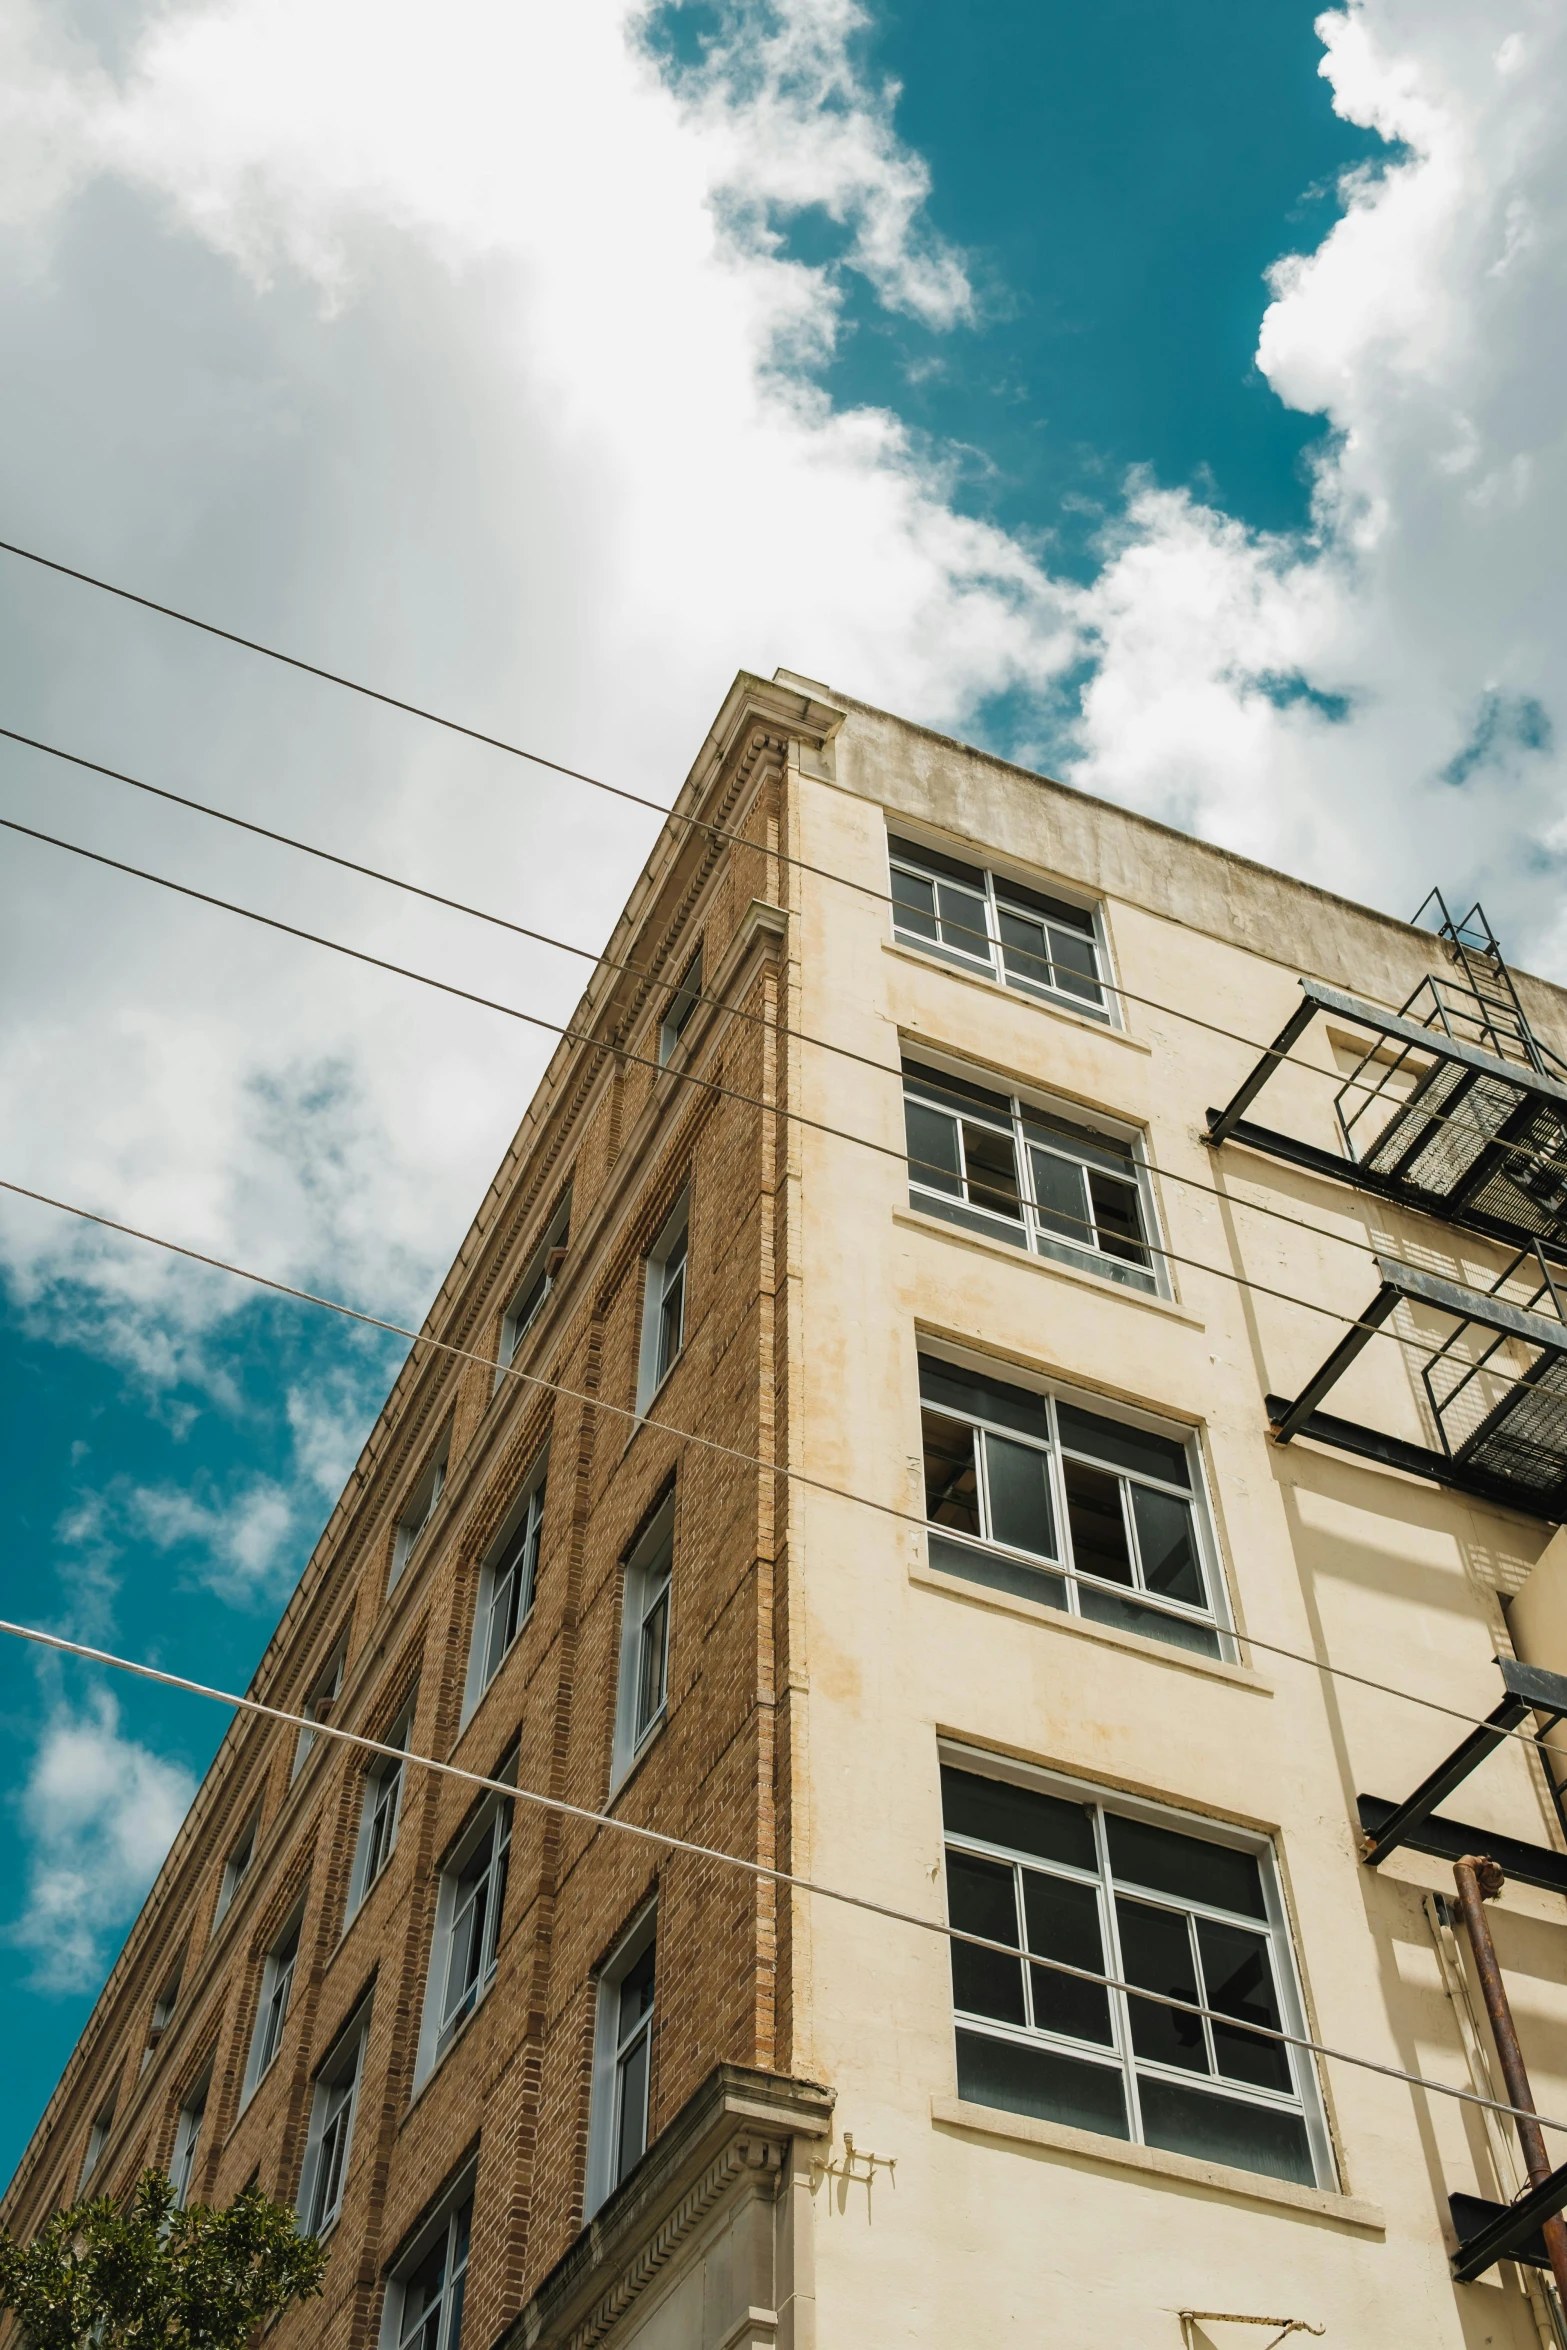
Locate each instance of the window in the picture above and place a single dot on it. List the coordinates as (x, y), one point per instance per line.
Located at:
(187, 2139)
(162, 2013)
(277, 1983)
(982, 921)
(682, 1004)
(331, 2130)
(97, 2140)
(506, 1584)
(664, 1304)
(419, 1508)
(319, 1701)
(644, 1643)
(383, 1802)
(995, 1163)
(468, 1912)
(622, 2062)
(1154, 1899)
(1037, 1495)
(536, 1284)
(424, 2301)
(241, 1854)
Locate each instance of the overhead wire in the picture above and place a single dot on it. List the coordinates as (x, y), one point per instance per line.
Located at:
(512, 1792)
(730, 1452)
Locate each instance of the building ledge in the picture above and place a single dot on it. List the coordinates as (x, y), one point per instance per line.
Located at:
(1007, 1253)
(738, 2126)
(1160, 1652)
(1014, 995)
(987, 2121)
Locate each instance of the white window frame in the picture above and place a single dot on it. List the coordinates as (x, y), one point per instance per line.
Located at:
(682, 1003)
(614, 2057)
(420, 1507)
(187, 2139)
(241, 1854)
(277, 1991)
(163, 2011)
(381, 1808)
(451, 2226)
(329, 2141)
(1304, 2101)
(668, 1271)
(642, 1690)
(97, 2139)
(971, 907)
(487, 1840)
(1030, 1123)
(508, 1585)
(1060, 1582)
(534, 1290)
(323, 1694)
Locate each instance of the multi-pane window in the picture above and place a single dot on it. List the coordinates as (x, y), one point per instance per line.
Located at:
(241, 1854)
(981, 921)
(623, 2054)
(682, 1004)
(97, 2140)
(1022, 1172)
(429, 2298)
(644, 1643)
(162, 2012)
(469, 1908)
(664, 1304)
(1138, 1896)
(277, 1985)
(331, 2132)
(537, 1283)
(383, 1802)
(1037, 1495)
(506, 1584)
(187, 2141)
(420, 1506)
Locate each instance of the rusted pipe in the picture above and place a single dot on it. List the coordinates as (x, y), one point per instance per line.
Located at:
(1479, 1880)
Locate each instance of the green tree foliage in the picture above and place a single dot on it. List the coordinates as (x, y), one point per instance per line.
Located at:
(98, 2278)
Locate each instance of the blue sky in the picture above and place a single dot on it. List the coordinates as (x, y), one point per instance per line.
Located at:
(969, 399)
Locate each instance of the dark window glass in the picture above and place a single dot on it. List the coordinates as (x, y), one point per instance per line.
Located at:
(1060, 1188)
(999, 1572)
(1168, 1862)
(991, 1160)
(1025, 950)
(1056, 910)
(1085, 1142)
(1156, 1951)
(1077, 966)
(932, 1140)
(914, 904)
(983, 1899)
(986, 1399)
(1043, 2082)
(956, 1091)
(1168, 1545)
(1239, 1977)
(1118, 1217)
(1123, 1447)
(951, 1479)
(937, 861)
(997, 1812)
(1093, 1508)
(1018, 1480)
(1063, 1922)
(1216, 2129)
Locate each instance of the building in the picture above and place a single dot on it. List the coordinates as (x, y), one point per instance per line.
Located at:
(902, 1420)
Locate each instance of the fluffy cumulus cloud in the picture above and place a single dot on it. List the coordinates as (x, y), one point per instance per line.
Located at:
(101, 1811)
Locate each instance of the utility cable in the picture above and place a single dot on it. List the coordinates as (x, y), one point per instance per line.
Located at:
(760, 1870)
(711, 1085)
(729, 1452)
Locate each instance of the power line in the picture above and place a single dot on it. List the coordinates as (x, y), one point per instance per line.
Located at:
(513, 1793)
(711, 1085)
(710, 1444)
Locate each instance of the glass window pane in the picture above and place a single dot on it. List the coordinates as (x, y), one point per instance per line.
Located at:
(1043, 2082)
(1118, 1215)
(997, 1571)
(997, 1812)
(1093, 1508)
(1018, 1481)
(1061, 1191)
(1238, 1970)
(1076, 964)
(951, 1477)
(1166, 1541)
(955, 1093)
(1122, 1446)
(1088, 1143)
(913, 904)
(1156, 1951)
(1063, 1922)
(983, 1900)
(962, 917)
(985, 1399)
(631, 2139)
(991, 1161)
(1151, 1623)
(1025, 950)
(932, 1139)
(1168, 1862)
(1217, 2129)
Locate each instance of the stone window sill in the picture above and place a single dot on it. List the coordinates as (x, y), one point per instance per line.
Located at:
(1009, 1254)
(1034, 1611)
(986, 2121)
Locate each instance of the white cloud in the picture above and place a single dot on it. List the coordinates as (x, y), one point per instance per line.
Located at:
(101, 1811)
(244, 1547)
